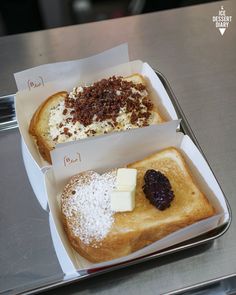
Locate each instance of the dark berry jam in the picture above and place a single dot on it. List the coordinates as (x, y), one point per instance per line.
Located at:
(157, 189)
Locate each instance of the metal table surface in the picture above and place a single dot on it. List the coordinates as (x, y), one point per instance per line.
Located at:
(200, 65)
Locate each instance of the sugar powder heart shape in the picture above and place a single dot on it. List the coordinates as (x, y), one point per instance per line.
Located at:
(86, 205)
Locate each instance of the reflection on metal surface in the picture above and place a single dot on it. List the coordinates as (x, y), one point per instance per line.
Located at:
(7, 113)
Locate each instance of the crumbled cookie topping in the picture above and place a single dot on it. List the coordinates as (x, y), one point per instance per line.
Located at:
(108, 105)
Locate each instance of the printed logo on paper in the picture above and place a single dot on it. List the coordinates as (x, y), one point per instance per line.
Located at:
(222, 20)
(68, 160)
(36, 83)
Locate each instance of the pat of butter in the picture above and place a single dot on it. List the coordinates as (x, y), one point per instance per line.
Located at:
(122, 201)
(126, 179)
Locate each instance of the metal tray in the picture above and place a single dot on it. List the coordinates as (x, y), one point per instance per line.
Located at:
(9, 122)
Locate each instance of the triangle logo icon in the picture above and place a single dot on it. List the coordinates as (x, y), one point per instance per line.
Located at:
(222, 30)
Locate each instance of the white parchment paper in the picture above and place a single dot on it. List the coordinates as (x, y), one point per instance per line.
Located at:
(28, 100)
(157, 138)
(36, 77)
(109, 151)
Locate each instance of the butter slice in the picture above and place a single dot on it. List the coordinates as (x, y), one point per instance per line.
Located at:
(126, 179)
(122, 201)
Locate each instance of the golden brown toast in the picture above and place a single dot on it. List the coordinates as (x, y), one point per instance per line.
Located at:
(131, 231)
(40, 127)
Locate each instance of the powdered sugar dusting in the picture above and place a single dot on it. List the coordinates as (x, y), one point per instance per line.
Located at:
(87, 206)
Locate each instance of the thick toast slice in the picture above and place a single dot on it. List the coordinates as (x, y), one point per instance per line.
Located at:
(40, 126)
(146, 224)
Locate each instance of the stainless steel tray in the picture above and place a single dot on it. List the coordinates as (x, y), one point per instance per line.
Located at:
(7, 113)
(9, 122)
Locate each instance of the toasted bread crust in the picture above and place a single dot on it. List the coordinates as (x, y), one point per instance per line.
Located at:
(146, 224)
(44, 148)
(39, 112)
(35, 124)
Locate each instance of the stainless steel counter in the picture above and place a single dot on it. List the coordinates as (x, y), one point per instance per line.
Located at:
(200, 65)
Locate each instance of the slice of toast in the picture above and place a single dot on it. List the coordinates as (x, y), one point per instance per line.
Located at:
(146, 224)
(40, 129)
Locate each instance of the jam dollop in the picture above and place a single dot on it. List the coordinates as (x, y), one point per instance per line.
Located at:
(157, 189)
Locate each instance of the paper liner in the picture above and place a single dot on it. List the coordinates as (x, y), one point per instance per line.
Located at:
(35, 175)
(66, 75)
(80, 69)
(159, 137)
(106, 152)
